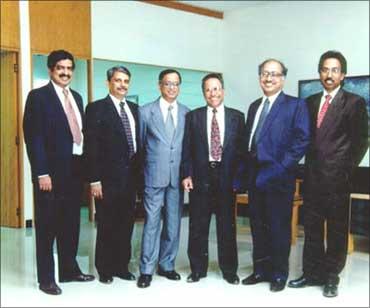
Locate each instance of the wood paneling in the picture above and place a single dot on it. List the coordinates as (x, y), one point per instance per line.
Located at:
(61, 25)
(186, 7)
(10, 39)
(10, 167)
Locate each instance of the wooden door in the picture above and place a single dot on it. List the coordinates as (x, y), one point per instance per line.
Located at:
(9, 129)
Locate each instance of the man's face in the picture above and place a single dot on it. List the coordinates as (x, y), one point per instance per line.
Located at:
(213, 92)
(62, 73)
(170, 87)
(271, 78)
(119, 84)
(331, 74)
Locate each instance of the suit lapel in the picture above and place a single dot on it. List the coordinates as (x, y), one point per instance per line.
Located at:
(180, 121)
(57, 104)
(158, 120)
(202, 120)
(229, 126)
(113, 114)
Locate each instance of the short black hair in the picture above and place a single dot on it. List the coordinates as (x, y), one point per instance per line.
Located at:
(166, 72)
(212, 75)
(57, 55)
(118, 68)
(336, 55)
(284, 69)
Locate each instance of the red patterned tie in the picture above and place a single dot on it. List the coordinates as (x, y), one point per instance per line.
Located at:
(216, 149)
(72, 120)
(323, 110)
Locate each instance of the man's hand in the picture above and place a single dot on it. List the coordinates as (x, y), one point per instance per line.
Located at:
(45, 183)
(96, 191)
(187, 184)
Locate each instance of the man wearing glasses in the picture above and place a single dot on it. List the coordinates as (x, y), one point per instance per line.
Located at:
(277, 135)
(339, 142)
(161, 132)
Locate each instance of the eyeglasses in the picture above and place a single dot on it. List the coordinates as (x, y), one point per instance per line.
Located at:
(334, 70)
(273, 75)
(170, 84)
(214, 89)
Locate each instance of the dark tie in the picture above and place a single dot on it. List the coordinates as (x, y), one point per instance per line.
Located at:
(216, 149)
(261, 120)
(72, 120)
(170, 125)
(127, 127)
(323, 110)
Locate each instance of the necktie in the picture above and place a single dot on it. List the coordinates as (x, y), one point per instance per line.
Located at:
(127, 127)
(170, 125)
(72, 120)
(323, 110)
(216, 149)
(261, 120)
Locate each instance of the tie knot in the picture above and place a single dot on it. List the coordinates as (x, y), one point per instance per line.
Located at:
(214, 110)
(122, 104)
(267, 102)
(328, 97)
(170, 108)
(65, 92)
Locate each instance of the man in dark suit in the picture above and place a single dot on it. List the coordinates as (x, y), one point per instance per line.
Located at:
(210, 158)
(111, 150)
(277, 135)
(52, 126)
(339, 141)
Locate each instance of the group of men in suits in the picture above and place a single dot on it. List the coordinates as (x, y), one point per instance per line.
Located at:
(163, 148)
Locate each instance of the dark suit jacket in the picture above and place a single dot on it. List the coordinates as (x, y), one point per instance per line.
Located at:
(195, 151)
(338, 145)
(282, 143)
(47, 134)
(106, 147)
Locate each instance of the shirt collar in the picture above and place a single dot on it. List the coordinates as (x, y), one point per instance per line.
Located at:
(116, 101)
(220, 108)
(271, 98)
(58, 88)
(164, 104)
(332, 94)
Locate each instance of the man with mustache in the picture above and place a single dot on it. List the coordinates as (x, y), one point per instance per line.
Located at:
(52, 124)
(339, 142)
(277, 136)
(113, 167)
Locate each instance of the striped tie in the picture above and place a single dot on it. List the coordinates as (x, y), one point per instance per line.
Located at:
(127, 127)
(72, 120)
(323, 111)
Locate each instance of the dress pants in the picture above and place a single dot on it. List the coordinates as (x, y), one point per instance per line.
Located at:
(57, 216)
(115, 220)
(202, 205)
(318, 262)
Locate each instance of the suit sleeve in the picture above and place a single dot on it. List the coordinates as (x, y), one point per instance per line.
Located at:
(358, 131)
(186, 159)
(34, 134)
(300, 138)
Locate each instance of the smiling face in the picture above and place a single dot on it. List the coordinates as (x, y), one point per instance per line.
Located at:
(331, 74)
(119, 84)
(271, 78)
(213, 92)
(170, 87)
(62, 73)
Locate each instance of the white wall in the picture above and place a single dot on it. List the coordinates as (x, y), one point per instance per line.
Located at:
(137, 32)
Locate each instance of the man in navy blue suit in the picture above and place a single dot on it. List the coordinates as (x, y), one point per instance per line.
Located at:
(277, 135)
(52, 128)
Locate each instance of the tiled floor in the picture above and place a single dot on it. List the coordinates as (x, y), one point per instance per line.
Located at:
(19, 287)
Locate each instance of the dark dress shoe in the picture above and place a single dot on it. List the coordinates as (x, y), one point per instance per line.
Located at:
(253, 279)
(144, 281)
(302, 282)
(277, 285)
(171, 275)
(106, 279)
(79, 278)
(330, 289)
(195, 277)
(126, 276)
(232, 278)
(50, 288)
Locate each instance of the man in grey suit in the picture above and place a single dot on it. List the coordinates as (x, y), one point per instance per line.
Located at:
(161, 132)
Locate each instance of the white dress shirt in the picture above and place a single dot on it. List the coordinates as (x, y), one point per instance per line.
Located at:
(220, 117)
(163, 104)
(272, 100)
(332, 94)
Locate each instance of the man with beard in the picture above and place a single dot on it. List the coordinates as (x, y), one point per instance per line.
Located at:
(339, 142)
(52, 126)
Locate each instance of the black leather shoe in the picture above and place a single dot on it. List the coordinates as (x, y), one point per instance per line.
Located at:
(330, 289)
(106, 279)
(195, 277)
(232, 278)
(277, 285)
(302, 282)
(144, 281)
(79, 278)
(171, 275)
(125, 275)
(50, 288)
(253, 279)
